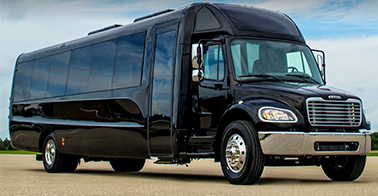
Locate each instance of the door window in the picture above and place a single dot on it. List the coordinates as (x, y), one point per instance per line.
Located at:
(163, 74)
(213, 64)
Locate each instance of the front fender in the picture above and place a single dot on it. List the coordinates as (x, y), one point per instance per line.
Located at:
(251, 106)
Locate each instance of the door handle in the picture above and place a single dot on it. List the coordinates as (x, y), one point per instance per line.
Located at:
(218, 85)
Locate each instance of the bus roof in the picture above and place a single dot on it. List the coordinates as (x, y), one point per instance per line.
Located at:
(205, 18)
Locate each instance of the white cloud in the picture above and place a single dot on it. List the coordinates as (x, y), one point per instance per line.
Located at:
(352, 66)
(324, 10)
(29, 25)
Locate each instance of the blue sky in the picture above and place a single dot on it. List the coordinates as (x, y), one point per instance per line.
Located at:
(347, 30)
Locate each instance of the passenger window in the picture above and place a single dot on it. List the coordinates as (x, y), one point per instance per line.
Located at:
(213, 65)
(102, 66)
(129, 61)
(40, 78)
(58, 74)
(79, 70)
(22, 81)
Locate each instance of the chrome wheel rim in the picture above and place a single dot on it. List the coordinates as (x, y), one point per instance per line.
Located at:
(50, 152)
(235, 153)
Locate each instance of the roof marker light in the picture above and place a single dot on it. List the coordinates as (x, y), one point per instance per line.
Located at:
(237, 4)
(207, 2)
(244, 6)
(251, 6)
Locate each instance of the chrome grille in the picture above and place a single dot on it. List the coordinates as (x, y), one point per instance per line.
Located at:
(334, 113)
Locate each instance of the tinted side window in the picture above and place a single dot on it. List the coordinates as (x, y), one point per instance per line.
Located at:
(22, 81)
(129, 61)
(102, 66)
(213, 65)
(78, 73)
(163, 74)
(58, 74)
(39, 78)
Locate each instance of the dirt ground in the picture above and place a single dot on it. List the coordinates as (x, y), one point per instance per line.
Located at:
(22, 175)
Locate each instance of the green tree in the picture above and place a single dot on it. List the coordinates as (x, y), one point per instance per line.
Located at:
(10, 147)
(6, 143)
(1, 145)
(374, 141)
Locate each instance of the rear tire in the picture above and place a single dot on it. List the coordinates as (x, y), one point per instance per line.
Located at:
(55, 162)
(344, 168)
(242, 160)
(127, 165)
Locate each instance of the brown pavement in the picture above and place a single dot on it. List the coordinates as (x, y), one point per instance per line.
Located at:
(22, 175)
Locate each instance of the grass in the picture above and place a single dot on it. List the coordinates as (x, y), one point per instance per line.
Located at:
(17, 152)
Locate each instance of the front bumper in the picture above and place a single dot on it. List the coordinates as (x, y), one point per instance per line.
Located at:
(304, 144)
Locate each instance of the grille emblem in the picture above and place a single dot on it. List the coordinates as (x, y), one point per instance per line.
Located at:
(334, 97)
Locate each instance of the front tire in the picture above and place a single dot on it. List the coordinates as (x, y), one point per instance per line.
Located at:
(344, 168)
(127, 165)
(55, 162)
(242, 160)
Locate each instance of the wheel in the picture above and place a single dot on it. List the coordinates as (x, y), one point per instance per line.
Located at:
(344, 168)
(293, 69)
(242, 160)
(127, 165)
(55, 162)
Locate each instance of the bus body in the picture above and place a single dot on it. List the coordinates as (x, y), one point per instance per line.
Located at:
(232, 83)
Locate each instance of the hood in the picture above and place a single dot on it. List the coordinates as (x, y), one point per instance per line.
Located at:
(294, 94)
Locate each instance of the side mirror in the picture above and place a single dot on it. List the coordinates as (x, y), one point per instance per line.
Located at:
(197, 73)
(320, 59)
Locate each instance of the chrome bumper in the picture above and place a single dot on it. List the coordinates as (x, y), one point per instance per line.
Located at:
(302, 144)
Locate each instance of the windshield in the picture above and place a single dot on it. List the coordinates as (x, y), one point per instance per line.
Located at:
(272, 60)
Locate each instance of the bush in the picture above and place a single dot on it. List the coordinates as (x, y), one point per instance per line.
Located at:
(1, 145)
(10, 147)
(374, 141)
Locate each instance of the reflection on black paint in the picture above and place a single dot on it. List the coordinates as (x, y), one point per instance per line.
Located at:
(160, 132)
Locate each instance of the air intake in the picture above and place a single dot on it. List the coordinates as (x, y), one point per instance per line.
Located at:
(334, 113)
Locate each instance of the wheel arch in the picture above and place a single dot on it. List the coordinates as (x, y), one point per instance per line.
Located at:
(42, 138)
(232, 114)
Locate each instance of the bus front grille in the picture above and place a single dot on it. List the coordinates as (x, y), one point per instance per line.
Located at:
(334, 113)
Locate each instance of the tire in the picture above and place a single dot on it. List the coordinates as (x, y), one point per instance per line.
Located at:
(242, 160)
(127, 165)
(55, 162)
(344, 168)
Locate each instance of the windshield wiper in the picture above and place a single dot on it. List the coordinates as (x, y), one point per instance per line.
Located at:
(302, 75)
(260, 75)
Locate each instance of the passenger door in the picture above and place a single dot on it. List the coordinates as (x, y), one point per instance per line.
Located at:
(212, 90)
(160, 118)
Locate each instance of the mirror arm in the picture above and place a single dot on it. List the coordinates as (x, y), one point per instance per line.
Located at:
(323, 64)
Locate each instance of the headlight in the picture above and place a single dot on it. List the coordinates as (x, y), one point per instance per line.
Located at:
(277, 115)
(366, 118)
